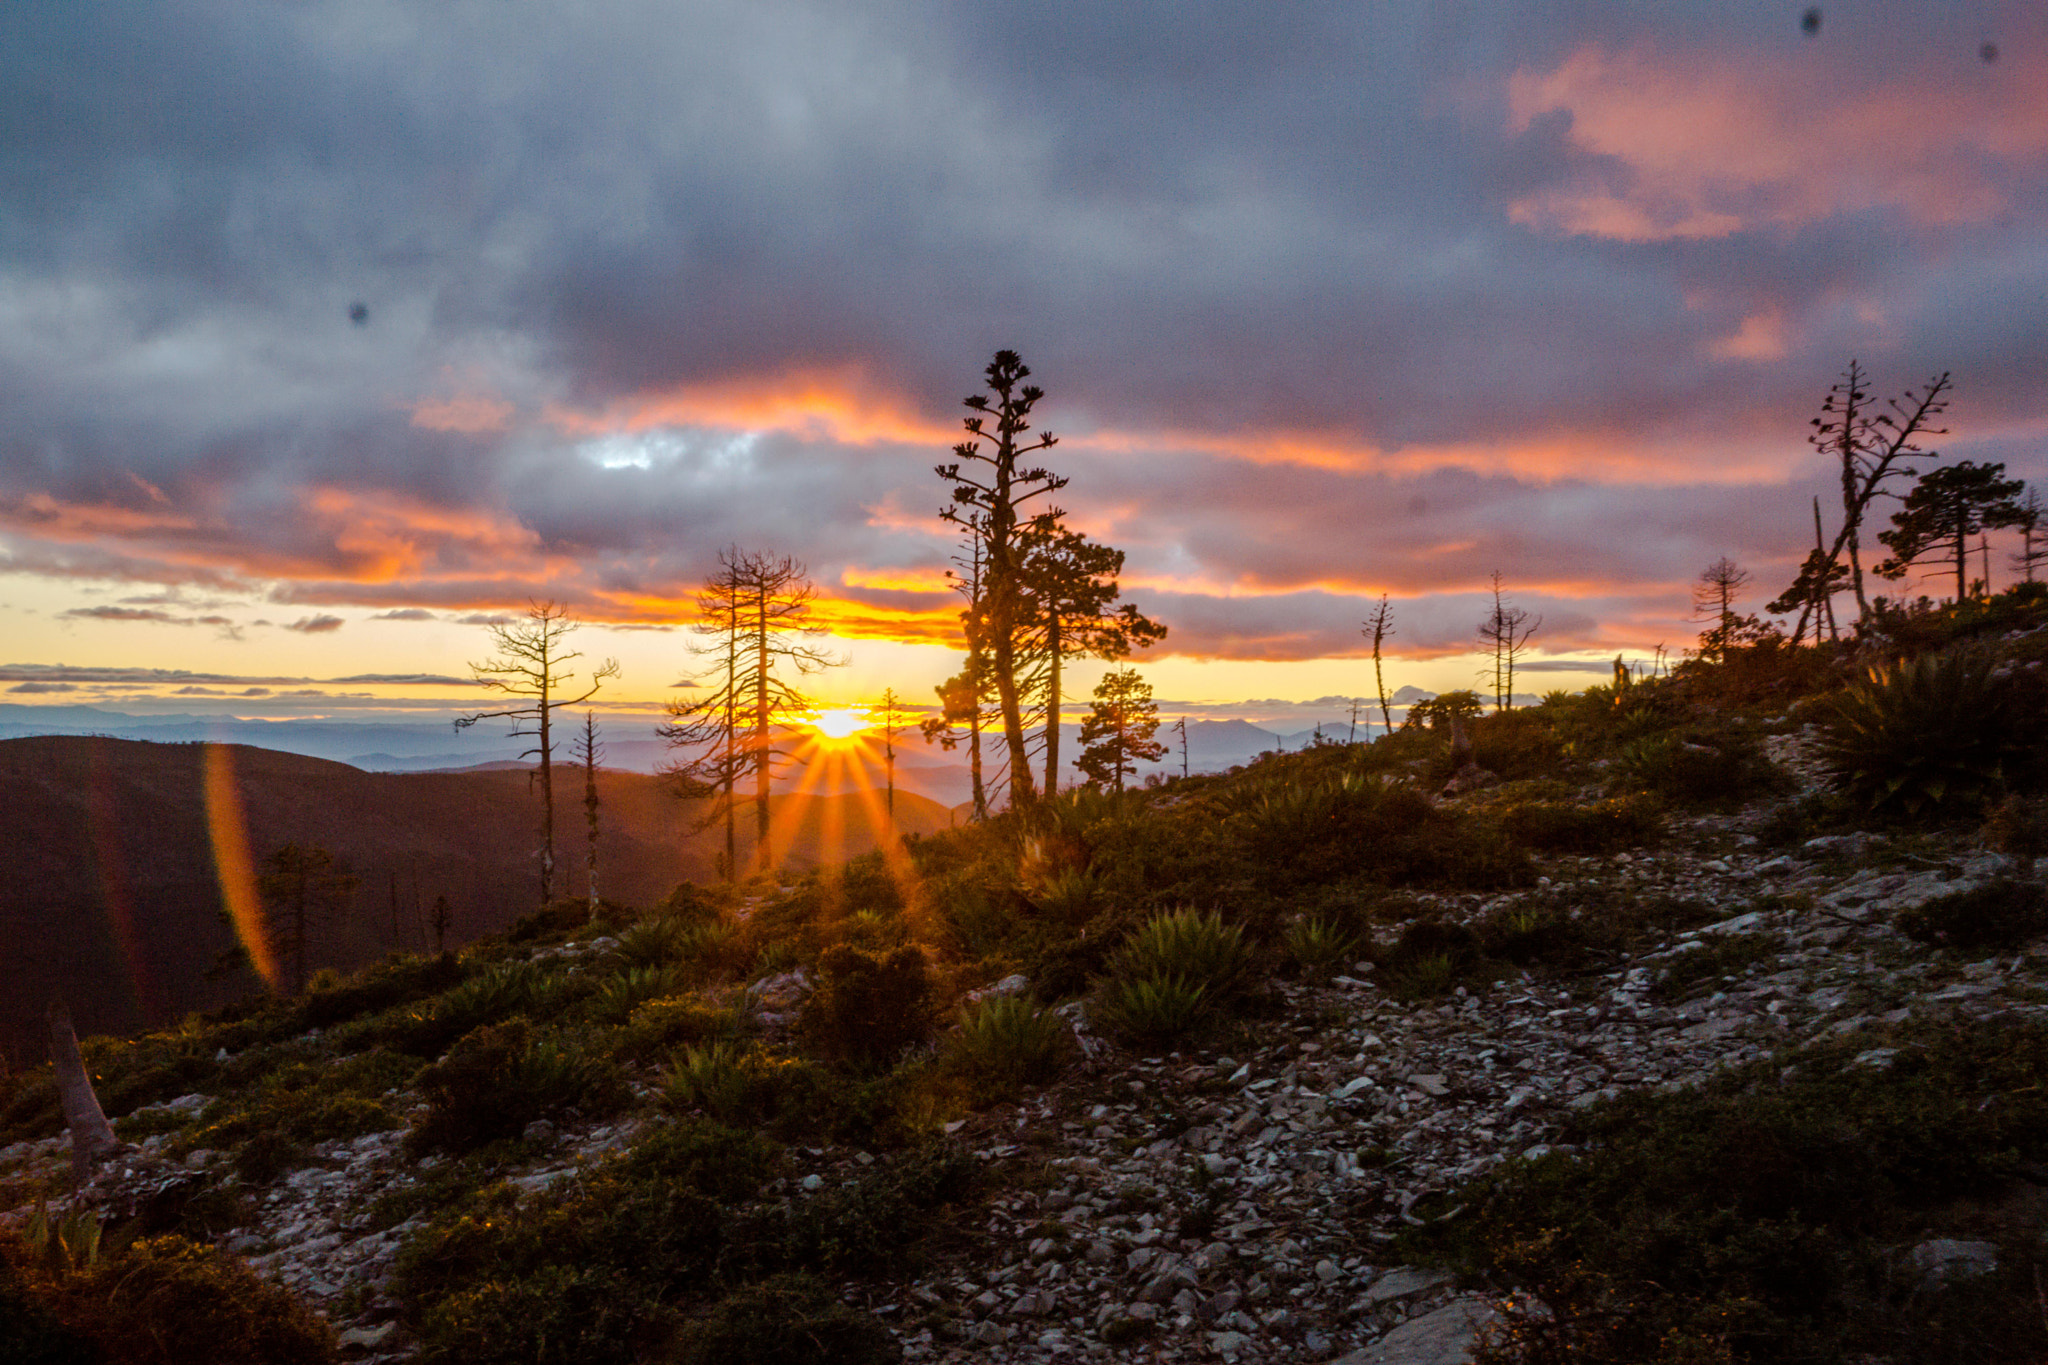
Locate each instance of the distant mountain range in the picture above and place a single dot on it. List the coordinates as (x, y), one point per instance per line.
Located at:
(434, 745)
(110, 897)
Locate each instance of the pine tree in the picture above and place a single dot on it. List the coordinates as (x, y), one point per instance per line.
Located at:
(1713, 599)
(301, 889)
(590, 752)
(1117, 735)
(1944, 509)
(1070, 591)
(990, 501)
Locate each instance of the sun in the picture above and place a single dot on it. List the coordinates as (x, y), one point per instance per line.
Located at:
(843, 723)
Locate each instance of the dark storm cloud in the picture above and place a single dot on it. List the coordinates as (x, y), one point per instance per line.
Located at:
(1533, 326)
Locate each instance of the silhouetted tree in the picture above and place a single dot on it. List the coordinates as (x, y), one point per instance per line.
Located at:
(2033, 551)
(1380, 627)
(444, 919)
(966, 697)
(1869, 449)
(757, 608)
(300, 887)
(1507, 631)
(1069, 597)
(1713, 599)
(889, 707)
(1944, 509)
(1117, 734)
(530, 664)
(989, 502)
(590, 752)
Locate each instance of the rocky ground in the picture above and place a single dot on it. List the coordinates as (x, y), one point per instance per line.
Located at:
(1210, 1206)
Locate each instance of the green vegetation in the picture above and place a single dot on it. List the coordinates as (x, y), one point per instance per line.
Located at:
(1762, 1217)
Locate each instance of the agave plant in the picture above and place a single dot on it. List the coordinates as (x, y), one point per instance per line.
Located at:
(1011, 1040)
(1319, 944)
(1153, 1009)
(1196, 948)
(1922, 734)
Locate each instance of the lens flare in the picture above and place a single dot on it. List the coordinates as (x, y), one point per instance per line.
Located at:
(231, 860)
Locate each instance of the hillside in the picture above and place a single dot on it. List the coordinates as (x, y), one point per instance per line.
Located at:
(113, 879)
(1698, 1021)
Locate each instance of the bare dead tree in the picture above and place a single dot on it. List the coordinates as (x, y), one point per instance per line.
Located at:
(530, 664)
(757, 611)
(2033, 551)
(1870, 448)
(889, 706)
(1507, 630)
(1380, 627)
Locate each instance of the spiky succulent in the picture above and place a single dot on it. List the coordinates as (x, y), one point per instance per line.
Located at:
(1923, 734)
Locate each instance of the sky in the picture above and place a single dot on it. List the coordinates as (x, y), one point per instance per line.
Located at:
(332, 333)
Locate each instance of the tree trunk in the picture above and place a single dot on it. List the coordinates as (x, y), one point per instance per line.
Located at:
(1052, 705)
(92, 1137)
(547, 803)
(762, 746)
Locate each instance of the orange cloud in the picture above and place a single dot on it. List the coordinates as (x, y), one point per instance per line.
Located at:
(896, 580)
(470, 415)
(1760, 337)
(1715, 145)
(835, 405)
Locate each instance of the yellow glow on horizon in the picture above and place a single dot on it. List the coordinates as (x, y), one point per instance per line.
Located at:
(840, 723)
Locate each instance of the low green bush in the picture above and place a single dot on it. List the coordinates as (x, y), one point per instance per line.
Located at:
(1698, 769)
(2000, 914)
(1716, 959)
(505, 991)
(869, 1007)
(748, 1086)
(1762, 1217)
(162, 1301)
(1608, 826)
(615, 1001)
(878, 1219)
(785, 1320)
(584, 1278)
(500, 1078)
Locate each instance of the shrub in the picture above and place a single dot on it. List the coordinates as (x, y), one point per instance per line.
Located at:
(615, 1001)
(2018, 827)
(163, 1301)
(747, 1086)
(1152, 1009)
(395, 981)
(500, 1078)
(1319, 945)
(582, 1279)
(1696, 770)
(868, 1007)
(1755, 1217)
(2000, 914)
(1198, 949)
(1007, 1042)
(501, 992)
(878, 1219)
(1929, 733)
(658, 1027)
(785, 1320)
(656, 942)
(1572, 827)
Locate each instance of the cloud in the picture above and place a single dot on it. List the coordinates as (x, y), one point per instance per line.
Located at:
(39, 688)
(1380, 299)
(317, 625)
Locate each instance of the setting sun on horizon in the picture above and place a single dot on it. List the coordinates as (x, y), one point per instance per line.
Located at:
(840, 722)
